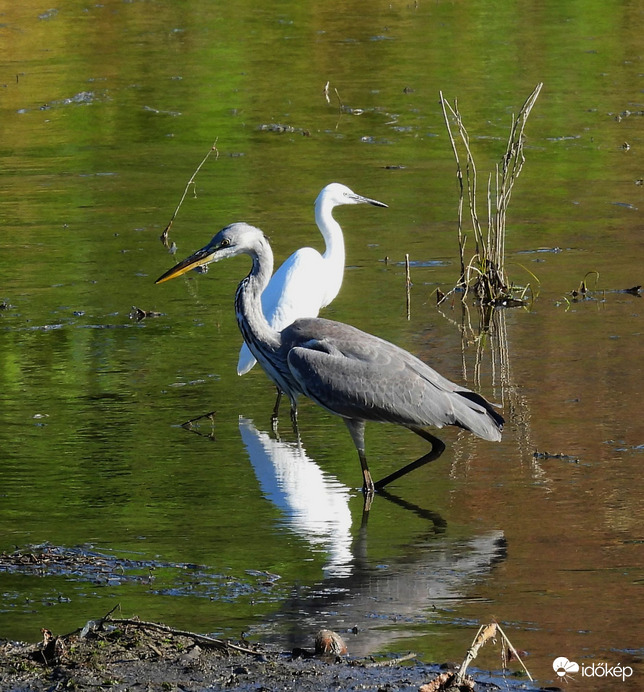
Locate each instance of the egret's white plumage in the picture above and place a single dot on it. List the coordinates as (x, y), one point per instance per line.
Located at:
(350, 373)
(308, 280)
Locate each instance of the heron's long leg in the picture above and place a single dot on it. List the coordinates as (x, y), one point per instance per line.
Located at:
(356, 428)
(438, 447)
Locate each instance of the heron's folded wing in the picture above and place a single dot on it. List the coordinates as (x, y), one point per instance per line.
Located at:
(370, 382)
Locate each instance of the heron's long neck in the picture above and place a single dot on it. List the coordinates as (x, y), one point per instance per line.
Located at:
(332, 233)
(248, 305)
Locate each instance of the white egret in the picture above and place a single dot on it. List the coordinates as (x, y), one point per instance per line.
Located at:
(307, 281)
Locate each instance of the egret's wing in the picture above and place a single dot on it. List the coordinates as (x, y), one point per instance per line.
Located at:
(296, 289)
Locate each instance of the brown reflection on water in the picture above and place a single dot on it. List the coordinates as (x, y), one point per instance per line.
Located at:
(572, 514)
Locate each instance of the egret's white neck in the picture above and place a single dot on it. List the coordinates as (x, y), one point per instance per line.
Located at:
(334, 252)
(332, 233)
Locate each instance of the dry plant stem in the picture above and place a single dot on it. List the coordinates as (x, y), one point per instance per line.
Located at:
(389, 662)
(485, 634)
(459, 177)
(511, 166)
(166, 230)
(515, 653)
(485, 272)
(198, 638)
(470, 168)
(326, 92)
(408, 286)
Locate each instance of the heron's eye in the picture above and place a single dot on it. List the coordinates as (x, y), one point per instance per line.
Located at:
(224, 243)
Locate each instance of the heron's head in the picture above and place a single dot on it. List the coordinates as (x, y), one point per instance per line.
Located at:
(236, 239)
(335, 194)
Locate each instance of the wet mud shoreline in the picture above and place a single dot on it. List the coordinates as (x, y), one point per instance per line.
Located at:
(128, 654)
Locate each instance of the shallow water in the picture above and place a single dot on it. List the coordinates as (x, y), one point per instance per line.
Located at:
(107, 111)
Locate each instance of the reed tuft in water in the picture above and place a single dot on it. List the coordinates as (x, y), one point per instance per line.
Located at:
(484, 273)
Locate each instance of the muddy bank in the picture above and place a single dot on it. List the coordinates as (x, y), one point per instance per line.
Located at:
(128, 654)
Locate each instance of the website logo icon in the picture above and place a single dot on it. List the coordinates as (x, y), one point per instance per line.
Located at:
(562, 666)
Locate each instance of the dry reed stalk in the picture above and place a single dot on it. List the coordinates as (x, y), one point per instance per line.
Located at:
(408, 286)
(484, 273)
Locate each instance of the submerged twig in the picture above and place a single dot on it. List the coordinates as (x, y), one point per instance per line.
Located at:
(164, 236)
(189, 424)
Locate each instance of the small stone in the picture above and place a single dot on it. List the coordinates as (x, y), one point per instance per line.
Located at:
(328, 642)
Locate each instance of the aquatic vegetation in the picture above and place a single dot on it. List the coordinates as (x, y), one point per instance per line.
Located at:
(484, 273)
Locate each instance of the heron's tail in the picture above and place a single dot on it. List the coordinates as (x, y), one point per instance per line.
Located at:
(477, 415)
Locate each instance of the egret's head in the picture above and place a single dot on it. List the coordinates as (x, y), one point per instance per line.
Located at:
(335, 194)
(236, 239)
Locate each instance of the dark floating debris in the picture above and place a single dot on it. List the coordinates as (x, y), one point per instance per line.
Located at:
(559, 455)
(76, 563)
(84, 564)
(138, 314)
(193, 425)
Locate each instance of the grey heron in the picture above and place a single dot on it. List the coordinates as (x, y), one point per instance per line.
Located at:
(346, 371)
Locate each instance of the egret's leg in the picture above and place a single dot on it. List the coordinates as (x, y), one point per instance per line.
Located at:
(438, 447)
(276, 408)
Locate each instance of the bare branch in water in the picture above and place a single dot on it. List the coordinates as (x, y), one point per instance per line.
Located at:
(164, 236)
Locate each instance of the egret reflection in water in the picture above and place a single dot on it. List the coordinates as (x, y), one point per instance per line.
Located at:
(433, 573)
(315, 505)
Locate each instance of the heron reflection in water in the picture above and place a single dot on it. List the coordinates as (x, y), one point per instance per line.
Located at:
(348, 372)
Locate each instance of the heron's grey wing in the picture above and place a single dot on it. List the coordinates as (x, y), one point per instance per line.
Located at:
(358, 375)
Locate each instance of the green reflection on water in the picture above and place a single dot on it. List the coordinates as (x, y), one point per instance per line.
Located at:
(106, 112)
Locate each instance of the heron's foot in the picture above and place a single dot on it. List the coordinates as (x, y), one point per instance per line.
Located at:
(368, 489)
(275, 426)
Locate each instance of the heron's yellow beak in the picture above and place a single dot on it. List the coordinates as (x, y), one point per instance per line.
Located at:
(199, 258)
